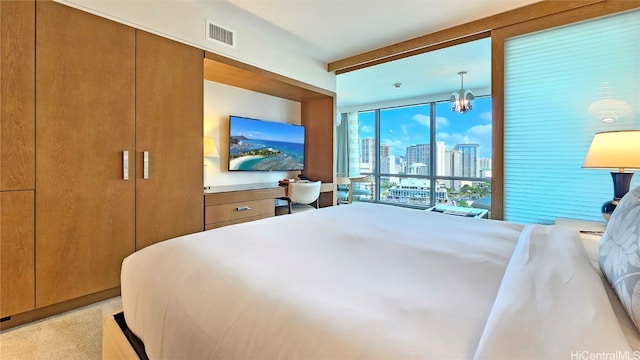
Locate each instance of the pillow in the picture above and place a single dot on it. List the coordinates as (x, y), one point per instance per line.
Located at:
(619, 253)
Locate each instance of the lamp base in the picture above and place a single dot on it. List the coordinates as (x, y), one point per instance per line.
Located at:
(621, 182)
(608, 207)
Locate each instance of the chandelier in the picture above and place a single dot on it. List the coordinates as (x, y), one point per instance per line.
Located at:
(461, 100)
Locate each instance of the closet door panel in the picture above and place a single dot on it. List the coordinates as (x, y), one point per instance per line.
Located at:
(16, 252)
(17, 61)
(85, 69)
(169, 107)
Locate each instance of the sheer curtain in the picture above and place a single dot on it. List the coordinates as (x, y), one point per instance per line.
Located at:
(558, 84)
(342, 138)
(348, 145)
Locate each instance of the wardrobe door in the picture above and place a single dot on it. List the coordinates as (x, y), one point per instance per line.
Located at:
(17, 31)
(16, 252)
(17, 134)
(84, 122)
(169, 107)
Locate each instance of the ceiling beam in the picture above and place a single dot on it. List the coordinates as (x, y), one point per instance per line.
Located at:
(456, 34)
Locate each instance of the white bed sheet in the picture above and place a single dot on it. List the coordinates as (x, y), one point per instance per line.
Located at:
(355, 281)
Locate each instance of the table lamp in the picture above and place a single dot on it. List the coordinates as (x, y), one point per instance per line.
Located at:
(617, 150)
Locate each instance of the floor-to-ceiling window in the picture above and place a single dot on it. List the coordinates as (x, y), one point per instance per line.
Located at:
(426, 154)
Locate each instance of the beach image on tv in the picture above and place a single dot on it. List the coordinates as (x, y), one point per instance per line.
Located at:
(265, 145)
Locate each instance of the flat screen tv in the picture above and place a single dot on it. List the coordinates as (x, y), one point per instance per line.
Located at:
(260, 145)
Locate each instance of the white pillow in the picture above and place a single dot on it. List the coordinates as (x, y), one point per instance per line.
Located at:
(619, 253)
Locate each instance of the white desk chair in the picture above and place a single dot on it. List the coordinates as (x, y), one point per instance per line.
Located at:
(303, 196)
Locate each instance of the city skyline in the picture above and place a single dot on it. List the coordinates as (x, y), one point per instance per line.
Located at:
(410, 125)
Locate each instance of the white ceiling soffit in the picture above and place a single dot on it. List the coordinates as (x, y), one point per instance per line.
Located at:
(336, 29)
(426, 77)
(330, 30)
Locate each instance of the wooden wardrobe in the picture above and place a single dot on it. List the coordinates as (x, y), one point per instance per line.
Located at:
(116, 143)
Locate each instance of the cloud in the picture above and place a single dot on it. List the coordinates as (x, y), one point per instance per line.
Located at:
(422, 119)
(442, 121)
(486, 116)
(366, 129)
(480, 131)
(425, 120)
(479, 134)
(396, 146)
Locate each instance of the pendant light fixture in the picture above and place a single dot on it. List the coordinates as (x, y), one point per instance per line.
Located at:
(461, 101)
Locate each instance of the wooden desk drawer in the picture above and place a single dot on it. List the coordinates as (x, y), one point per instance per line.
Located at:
(239, 211)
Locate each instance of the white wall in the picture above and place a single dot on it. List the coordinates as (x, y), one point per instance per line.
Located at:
(220, 101)
(258, 43)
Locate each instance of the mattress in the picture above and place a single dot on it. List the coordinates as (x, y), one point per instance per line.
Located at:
(369, 281)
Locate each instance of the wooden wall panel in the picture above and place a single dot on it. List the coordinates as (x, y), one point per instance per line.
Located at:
(17, 277)
(169, 115)
(85, 119)
(319, 118)
(17, 72)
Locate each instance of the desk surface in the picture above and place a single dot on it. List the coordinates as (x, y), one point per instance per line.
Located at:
(325, 187)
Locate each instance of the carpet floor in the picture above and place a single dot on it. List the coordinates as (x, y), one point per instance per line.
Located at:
(76, 334)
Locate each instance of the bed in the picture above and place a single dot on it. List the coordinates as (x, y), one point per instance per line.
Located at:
(370, 281)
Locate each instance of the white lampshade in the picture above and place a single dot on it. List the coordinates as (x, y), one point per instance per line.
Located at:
(614, 150)
(210, 150)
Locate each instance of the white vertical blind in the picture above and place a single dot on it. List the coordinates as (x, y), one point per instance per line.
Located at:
(551, 78)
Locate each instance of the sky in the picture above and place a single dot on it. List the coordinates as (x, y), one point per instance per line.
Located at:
(266, 130)
(405, 126)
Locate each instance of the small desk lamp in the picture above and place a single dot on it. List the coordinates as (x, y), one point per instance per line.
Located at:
(615, 149)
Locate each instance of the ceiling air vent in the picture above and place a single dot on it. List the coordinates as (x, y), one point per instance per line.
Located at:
(220, 34)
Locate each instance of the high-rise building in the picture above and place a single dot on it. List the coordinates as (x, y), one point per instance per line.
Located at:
(485, 168)
(453, 167)
(470, 159)
(384, 150)
(421, 154)
(417, 169)
(367, 154)
(441, 154)
(418, 154)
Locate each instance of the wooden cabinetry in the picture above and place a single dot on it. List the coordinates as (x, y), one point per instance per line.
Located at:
(17, 134)
(85, 119)
(169, 107)
(16, 252)
(232, 207)
(105, 89)
(17, 31)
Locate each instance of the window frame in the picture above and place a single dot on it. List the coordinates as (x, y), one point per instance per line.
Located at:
(433, 176)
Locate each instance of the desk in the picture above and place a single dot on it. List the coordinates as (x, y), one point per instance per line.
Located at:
(233, 204)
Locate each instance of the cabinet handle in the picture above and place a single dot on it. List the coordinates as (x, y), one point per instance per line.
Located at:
(125, 165)
(145, 165)
(243, 208)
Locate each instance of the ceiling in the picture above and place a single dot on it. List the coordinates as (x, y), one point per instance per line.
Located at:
(331, 30)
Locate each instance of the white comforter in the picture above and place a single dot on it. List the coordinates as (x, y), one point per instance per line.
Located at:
(369, 281)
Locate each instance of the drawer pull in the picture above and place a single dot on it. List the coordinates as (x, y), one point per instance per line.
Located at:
(243, 208)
